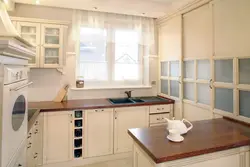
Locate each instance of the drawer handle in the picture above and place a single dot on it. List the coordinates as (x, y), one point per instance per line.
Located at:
(158, 109)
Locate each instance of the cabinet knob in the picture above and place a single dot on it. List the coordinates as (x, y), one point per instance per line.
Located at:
(20, 165)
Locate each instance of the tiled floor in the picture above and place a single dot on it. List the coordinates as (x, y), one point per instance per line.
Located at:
(117, 163)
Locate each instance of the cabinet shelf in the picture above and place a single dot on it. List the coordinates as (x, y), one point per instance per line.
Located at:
(78, 127)
(51, 35)
(78, 137)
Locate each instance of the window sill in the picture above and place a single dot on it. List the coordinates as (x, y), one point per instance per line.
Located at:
(113, 87)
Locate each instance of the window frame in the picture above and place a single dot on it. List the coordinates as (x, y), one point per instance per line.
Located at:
(110, 57)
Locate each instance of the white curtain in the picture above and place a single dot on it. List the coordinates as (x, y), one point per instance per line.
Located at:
(144, 26)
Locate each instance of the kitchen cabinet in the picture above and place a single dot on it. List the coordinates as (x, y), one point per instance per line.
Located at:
(126, 118)
(198, 33)
(57, 137)
(231, 28)
(34, 144)
(52, 42)
(98, 132)
(170, 35)
(31, 32)
(47, 37)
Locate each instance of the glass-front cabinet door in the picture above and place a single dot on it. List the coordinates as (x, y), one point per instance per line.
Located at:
(31, 32)
(52, 42)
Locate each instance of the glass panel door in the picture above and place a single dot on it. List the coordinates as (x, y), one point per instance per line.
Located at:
(52, 36)
(31, 33)
(51, 56)
(52, 45)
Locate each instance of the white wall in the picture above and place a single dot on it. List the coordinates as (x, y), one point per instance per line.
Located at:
(47, 82)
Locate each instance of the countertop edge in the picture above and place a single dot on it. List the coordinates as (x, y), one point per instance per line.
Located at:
(63, 106)
(188, 154)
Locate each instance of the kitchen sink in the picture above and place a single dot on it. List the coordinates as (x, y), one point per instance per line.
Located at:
(136, 100)
(121, 101)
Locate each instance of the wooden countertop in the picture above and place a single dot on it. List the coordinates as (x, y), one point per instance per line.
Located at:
(86, 104)
(206, 137)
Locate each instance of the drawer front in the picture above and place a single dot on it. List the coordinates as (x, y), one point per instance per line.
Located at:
(160, 108)
(158, 118)
(101, 110)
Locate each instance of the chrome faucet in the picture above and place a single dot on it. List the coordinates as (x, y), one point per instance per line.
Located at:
(128, 93)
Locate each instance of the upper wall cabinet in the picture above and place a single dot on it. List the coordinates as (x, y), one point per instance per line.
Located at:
(231, 28)
(47, 36)
(31, 32)
(52, 43)
(197, 33)
(170, 36)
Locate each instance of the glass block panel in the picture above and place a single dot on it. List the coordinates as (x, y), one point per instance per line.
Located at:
(174, 68)
(174, 88)
(188, 69)
(203, 69)
(189, 91)
(164, 68)
(244, 70)
(224, 99)
(245, 103)
(164, 86)
(223, 71)
(203, 93)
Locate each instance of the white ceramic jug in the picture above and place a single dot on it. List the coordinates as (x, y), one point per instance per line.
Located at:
(179, 125)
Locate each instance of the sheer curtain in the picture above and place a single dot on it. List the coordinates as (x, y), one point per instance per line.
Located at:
(116, 44)
(143, 25)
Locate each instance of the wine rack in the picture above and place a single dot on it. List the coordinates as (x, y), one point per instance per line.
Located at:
(78, 134)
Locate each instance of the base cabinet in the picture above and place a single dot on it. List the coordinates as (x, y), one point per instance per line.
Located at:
(57, 137)
(238, 157)
(98, 132)
(35, 144)
(126, 118)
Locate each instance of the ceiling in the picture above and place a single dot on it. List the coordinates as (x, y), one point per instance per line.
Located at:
(148, 8)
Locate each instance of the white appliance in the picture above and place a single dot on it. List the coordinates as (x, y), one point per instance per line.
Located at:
(14, 55)
(14, 110)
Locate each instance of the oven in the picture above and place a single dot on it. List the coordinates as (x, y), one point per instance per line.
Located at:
(14, 113)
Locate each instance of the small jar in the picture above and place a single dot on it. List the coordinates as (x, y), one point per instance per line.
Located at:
(80, 82)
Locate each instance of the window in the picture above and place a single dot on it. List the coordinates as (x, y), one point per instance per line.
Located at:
(93, 64)
(110, 62)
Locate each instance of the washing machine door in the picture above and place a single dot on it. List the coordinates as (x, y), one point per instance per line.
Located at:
(18, 112)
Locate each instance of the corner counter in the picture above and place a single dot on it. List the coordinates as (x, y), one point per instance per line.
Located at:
(218, 142)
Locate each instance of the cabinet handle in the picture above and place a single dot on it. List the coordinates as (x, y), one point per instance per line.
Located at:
(158, 119)
(158, 109)
(35, 157)
(210, 83)
(96, 110)
(115, 114)
(28, 147)
(20, 165)
(71, 118)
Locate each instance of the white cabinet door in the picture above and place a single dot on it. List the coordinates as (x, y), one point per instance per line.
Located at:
(52, 46)
(198, 33)
(57, 137)
(31, 32)
(231, 28)
(98, 132)
(170, 36)
(126, 118)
